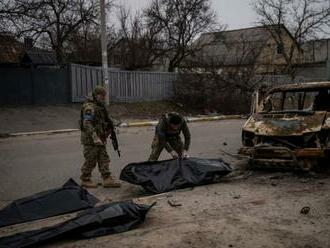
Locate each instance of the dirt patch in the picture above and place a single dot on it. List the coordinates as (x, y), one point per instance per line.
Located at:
(214, 216)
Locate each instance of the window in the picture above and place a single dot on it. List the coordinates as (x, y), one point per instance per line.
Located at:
(322, 100)
(309, 100)
(276, 100)
(272, 102)
(299, 100)
(280, 49)
(293, 101)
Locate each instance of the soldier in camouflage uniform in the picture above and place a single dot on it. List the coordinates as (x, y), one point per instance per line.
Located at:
(96, 126)
(167, 136)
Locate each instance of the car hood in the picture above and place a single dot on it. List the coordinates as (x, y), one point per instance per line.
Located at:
(285, 124)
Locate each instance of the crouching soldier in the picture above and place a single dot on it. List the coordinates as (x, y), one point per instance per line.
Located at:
(167, 136)
(95, 127)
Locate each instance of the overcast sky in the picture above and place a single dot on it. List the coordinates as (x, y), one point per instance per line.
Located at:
(235, 13)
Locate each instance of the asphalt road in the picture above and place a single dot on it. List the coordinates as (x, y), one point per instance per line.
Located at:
(36, 163)
(246, 209)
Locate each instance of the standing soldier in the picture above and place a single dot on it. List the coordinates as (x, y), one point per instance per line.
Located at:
(95, 127)
(167, 136)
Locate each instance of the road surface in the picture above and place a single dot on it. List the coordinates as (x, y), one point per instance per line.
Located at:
(253, 209)
(35, 163)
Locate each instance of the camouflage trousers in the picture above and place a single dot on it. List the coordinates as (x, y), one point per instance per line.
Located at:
(95, 154)
(157, 146)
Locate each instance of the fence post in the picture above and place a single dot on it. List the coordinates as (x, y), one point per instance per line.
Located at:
(328, 69)
(69, 86)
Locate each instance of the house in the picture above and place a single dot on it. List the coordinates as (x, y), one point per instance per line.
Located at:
(38, 58)
(255, 46)
(15, 53)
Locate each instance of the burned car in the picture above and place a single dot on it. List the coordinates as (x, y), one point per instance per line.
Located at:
(289, 128)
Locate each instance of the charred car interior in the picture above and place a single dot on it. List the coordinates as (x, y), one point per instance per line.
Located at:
(289, 128)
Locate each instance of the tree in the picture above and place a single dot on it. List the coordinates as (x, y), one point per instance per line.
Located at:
(138, 45)
(222, 77)
(84, 46)
(50, 21)
(178, 23)
(304, 19)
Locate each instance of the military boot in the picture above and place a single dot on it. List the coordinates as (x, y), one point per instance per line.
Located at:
(88, 184)
(109, 182)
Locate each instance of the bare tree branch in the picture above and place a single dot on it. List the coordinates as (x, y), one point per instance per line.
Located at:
(52, 21)
(305, 19)
(179, 22)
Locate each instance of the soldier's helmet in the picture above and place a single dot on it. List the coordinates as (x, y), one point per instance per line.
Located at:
(174, 118)
(99, 90)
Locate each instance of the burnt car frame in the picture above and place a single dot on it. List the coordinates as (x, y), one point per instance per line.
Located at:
(289, 128)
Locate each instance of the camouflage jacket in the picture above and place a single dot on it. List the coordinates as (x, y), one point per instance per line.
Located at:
(164, 132)
(94, 122)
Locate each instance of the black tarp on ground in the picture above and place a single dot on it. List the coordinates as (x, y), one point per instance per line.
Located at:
(104, 220)
(69, 198)
(163, 176)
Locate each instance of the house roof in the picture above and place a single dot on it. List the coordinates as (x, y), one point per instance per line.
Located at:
(253, 34)
(39, 58)
(14, 52)
(236, 46)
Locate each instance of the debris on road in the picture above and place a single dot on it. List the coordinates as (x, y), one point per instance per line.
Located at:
(69, 198)
(167, 175)
(173, 203)
(305, 210)
(98, 221)
(258, 202)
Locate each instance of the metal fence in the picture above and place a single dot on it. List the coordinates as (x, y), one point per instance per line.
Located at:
(137, 86)
(124, 86)
(34, 86)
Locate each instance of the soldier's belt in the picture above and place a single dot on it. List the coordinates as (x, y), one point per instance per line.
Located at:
(172, 137)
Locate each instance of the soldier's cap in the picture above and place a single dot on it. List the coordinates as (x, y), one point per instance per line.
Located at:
(174, 118)
(99, 90)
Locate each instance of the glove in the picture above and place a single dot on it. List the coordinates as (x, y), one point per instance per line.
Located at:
(185, 154)
(96, 139)
(174, 155)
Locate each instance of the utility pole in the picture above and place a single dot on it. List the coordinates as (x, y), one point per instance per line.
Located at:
(105, 72)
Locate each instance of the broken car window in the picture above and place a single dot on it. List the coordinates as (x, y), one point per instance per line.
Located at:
(292, 100)
(322, 100)
(309, 100)
(273, 102)
(297, 101)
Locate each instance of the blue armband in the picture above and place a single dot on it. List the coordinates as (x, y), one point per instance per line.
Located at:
(88, 117)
